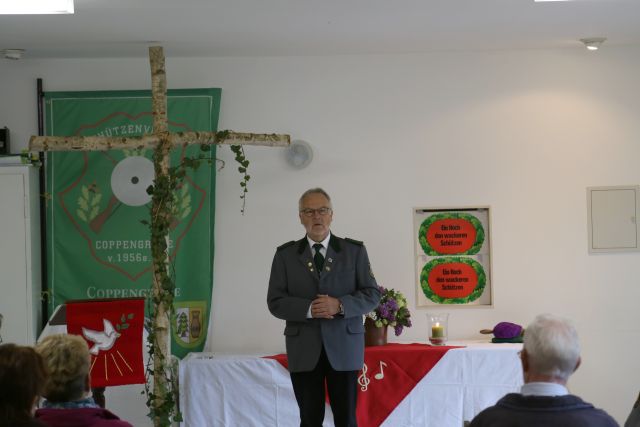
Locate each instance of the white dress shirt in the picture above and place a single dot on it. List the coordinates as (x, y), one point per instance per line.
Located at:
(543, 389)
(324, 243)
(323, 251)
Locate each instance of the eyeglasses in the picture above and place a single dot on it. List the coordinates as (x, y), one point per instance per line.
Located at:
(311, 212)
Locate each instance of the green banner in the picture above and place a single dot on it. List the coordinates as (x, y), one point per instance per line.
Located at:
(97, 244)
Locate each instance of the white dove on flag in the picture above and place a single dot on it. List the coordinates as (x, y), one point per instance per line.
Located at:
(103, 340)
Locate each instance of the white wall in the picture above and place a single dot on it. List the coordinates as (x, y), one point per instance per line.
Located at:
(524, 132)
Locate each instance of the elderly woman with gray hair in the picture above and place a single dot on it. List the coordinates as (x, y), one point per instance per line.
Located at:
(67, 389)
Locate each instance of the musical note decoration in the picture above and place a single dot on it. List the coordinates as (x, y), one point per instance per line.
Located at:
(363, 379)
(380, 375)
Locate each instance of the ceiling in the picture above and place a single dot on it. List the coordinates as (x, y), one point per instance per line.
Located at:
(207, 28)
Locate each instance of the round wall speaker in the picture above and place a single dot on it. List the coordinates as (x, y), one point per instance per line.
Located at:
(299, 154)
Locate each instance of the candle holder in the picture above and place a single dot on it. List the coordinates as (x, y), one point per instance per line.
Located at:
(438, 324)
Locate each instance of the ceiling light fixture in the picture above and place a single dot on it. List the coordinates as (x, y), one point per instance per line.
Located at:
(14, 54)
(36, 7)
(593, 43)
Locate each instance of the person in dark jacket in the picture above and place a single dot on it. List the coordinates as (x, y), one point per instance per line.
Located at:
(321, 285)
(550, 355)
(67, 389)
(22, 378)
(634, 417)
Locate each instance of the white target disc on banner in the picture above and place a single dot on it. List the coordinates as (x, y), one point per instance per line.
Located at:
(130, 179)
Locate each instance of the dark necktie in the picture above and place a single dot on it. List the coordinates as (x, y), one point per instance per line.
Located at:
(318, 259)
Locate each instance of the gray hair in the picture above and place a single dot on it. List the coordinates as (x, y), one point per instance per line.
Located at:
(69, 363)
(310, 191)
(552, 346)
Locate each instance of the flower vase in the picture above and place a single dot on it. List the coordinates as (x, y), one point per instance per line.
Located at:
(374, 335)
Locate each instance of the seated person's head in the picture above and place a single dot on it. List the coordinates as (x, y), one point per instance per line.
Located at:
(68, 362)
(551, 349)
(22, 379)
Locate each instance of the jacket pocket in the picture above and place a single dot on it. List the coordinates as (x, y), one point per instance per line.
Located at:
(355, 325)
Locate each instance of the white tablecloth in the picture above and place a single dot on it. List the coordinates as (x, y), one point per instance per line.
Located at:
(250, 391)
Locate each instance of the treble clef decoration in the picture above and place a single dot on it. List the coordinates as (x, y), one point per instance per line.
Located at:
(363, 380)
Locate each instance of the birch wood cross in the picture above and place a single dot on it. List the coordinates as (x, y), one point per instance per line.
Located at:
(161, 141)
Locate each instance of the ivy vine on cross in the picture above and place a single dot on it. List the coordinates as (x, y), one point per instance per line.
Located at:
(162, 400)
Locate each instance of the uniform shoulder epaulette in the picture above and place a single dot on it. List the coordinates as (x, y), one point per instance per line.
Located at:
(355, 242)
(286, 245)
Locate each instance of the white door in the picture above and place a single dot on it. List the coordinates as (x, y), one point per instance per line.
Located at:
(14, 295)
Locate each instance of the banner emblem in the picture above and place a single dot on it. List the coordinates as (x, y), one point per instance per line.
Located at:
(103, 340)
(116, 351)
(189, 323)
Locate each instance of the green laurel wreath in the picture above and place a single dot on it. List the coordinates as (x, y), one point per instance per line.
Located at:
(477, 291)
(88, 203)
(182, 206)
(422, 232)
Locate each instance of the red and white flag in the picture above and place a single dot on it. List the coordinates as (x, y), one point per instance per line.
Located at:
(113, 331)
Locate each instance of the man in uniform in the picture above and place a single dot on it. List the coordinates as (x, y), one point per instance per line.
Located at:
(322, 285)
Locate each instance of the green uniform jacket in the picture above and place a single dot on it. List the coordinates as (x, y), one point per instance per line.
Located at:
(294, 283)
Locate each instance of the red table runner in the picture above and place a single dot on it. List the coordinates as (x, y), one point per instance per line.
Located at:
(389, 374)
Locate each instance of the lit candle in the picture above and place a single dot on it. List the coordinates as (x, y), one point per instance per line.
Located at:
(437, 331)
